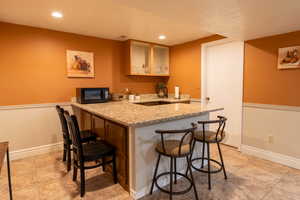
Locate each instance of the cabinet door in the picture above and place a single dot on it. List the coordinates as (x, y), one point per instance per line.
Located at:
(98, 127)
(116, 135)
(140, 58)
(160, 60)
(84, 118)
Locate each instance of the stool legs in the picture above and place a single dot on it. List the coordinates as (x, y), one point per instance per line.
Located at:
(103, 166)
(171, 178)
(172, 174)
(154, 175)
(82, 179)
(203, 150)
(209, 171)
(175, 168)
(68, 157)
(221, 157)
(65, 153)
(191, 156)
(75, 170)
(8, 174)
(208, 165)
(114, 168)
(192, 177)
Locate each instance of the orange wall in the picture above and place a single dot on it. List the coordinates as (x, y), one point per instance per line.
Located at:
(33, 65)
(263, 82)
(185, 65)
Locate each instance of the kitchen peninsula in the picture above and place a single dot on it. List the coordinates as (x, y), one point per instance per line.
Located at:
(130, 127)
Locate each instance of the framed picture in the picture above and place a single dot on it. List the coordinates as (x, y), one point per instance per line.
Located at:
(80, 64)
(289, 57)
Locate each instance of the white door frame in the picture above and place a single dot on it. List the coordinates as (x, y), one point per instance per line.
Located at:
(203, 70)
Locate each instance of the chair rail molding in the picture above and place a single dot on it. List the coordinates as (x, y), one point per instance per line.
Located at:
(272, 107)
(31, 129)
(29, 106)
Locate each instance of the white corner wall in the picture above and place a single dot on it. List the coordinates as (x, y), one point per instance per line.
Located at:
(31, 129)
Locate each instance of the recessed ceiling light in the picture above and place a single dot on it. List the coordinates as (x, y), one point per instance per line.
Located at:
(162, 37)
(56, 14)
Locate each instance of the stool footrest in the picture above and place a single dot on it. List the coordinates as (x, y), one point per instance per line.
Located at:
(206, 171)
(173, 173)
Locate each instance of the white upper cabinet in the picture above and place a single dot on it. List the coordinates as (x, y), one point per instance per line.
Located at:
(160, 60)
(140, 58)
(147, 59)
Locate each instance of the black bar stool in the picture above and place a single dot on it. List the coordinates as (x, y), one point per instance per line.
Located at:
(86, 135)
(175, 149)
(87, 152)
(208, 137)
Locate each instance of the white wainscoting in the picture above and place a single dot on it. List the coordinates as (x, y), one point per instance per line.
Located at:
(272, 132)
(31, 129)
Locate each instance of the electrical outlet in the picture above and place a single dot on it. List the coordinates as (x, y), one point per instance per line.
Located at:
(271, 139)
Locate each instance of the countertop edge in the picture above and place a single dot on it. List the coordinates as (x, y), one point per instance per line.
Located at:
(151, 122)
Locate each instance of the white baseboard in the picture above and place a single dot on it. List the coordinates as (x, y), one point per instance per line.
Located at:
(272, 156)
(24, 153)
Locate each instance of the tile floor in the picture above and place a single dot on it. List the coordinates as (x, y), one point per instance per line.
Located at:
(249, 178)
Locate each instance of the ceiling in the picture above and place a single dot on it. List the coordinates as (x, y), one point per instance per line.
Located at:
(180, 21)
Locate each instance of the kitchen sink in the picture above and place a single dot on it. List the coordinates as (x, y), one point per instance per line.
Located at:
(153, 103)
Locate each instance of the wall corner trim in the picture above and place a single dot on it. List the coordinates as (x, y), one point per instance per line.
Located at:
(271, 156)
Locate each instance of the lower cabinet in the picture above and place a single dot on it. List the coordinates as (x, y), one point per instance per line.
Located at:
(98, 126)
(115, 134)
(84, 118)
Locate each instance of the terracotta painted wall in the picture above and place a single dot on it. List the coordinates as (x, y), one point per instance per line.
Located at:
(263, 82)
(33, 65)
(185, 65)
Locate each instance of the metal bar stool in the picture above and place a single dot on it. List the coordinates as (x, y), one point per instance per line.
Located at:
(175, 149)
(208, 137)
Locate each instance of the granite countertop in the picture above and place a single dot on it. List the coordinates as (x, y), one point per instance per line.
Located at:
(131, 114)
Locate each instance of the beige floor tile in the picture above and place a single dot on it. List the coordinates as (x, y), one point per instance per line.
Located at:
(279, 194)
(21, 167)
(24, 181)
(45, 177)
(56, 190)
(26, 193)
(50, 173)
(289, 183)
(253, 173)
(47, 161)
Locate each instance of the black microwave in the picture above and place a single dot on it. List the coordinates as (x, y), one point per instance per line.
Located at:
(92, 95)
